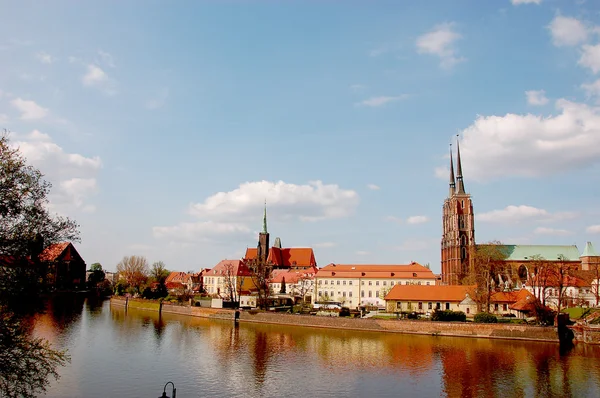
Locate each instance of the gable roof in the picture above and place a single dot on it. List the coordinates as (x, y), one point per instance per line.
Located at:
(381, 271)
(236, 267)
(56, 250)
(287, 257)
(292, 276)
(429, 293)
(548, 252)
(176, 277)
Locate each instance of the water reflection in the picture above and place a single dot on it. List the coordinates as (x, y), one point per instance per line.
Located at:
(132, 353)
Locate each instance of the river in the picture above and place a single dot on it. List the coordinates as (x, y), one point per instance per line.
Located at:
(133, 354)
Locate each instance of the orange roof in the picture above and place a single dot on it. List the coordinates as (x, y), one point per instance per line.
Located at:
(287, 257)
(380, 271)
(429, 293)
(176, 276)
(292, 276)
(236, 267)
(509, 297)
(52, 252)
(526, 301)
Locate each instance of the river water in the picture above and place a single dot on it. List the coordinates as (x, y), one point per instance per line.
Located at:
(133, 354)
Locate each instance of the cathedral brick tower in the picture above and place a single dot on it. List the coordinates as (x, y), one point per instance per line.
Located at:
(458, 237)
(263, 240)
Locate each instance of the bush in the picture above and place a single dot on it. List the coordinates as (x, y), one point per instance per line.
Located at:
(484, 317)
(449, 316)
(412, 315)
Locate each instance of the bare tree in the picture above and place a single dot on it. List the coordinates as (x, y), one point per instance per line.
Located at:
(561, 272)
(260, 273)
(304, 285)
(233, 281)
(159, 272)
(488, 264)
(539, 277)
(134, 269)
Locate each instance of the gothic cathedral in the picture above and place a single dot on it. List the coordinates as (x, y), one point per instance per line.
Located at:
(458, 237)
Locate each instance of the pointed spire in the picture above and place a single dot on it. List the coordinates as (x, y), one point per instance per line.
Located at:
(264, 231)
(460, 189)
(452, 181)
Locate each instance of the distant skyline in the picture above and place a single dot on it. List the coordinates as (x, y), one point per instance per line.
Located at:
(164, 127)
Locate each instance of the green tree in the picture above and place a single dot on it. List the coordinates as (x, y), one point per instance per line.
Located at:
(96, 276)
(26, 362)
(283, 287)
(159, 272)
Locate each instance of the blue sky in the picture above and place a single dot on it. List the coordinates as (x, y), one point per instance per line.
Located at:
(164, 127)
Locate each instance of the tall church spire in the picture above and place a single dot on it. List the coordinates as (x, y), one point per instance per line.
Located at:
(452, 181)
(264, 231)
(459, 177)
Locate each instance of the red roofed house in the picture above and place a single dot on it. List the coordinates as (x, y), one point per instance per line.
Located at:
(176, 280)
(423, 298)
(363, 284)
(299, 283)
(64, 266)
(228, 280)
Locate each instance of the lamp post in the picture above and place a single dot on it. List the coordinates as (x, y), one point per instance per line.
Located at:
(173, 391)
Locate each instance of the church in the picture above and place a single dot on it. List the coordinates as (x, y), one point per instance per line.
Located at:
(458, 243)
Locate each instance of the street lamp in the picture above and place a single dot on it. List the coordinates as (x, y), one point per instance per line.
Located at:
(174, 391)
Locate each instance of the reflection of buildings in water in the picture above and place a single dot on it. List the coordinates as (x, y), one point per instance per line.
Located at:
(58, 316)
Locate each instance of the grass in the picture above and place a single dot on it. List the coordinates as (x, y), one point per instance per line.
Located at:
(577, 312)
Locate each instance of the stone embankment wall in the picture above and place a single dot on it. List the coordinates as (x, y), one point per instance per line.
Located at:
(589, 334)
(456, 329)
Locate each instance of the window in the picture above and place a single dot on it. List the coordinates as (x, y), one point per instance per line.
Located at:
(350, 293)
(332, 293)
(420, 305)
(391, 283)
(326, 282)
(419, 282)
(370, 283)
(344, 283)
(429, 306)
(362, 283)
(399, 305)
(320, 292)
(447, 306)
(343, 294)
(468, 310)
(384, 283)
(370, 293)
(505, 307)
(338, 282)
(377, 294)
(438, 306)
(427, 283)
(362, 294)
(377, 283)
(319, 282)
(496, 307)
(350, 282)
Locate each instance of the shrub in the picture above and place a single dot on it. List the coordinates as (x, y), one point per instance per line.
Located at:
(412, 315)
(449, 316)
(485, 317)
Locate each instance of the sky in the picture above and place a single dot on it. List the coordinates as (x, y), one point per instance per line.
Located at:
(164, 126)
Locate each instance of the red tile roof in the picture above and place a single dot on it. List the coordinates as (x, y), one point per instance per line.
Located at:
(509, 297)
(287, 257)
(292, 276)
(526, 301)
(380, 271)
(52, 252)
(236, 267)
(456, 293)
(177, 277)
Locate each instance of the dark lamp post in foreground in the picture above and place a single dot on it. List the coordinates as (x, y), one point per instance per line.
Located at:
(174, 391)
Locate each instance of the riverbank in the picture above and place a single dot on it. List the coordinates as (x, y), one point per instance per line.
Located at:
(451, 329)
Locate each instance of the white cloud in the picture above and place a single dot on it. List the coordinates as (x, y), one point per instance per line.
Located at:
(515, 214)
(590, 57)
(382, 100)
(592, 89)
(518, 2)
(309, 202)
(393, 219)
(568, 31)
(552, 231)
(96, 77)
(593, 229)
(73, 175)
(45, 58)
(107, 58)
(29, 109)
(205, 231)
(325, 244)
(417, 219)
(362, 252)
(536, 98)
(441, 42)
(373, 187)
(531, 145)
